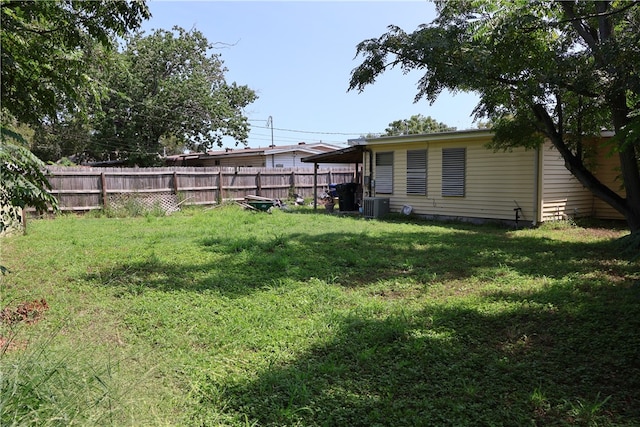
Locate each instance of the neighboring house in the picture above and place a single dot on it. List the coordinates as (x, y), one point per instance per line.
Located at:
(269, 157)
(453, 175)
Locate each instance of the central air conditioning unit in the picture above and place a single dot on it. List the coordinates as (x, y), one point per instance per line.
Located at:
(375, 207)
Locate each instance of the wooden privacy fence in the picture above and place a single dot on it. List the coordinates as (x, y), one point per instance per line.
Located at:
(83, 189)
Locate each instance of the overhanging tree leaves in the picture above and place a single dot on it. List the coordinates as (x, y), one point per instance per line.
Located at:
(167, 86)
(22, 181)
(543, 69)
(46, 47)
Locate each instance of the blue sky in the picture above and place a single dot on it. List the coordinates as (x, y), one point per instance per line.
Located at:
(298, 57)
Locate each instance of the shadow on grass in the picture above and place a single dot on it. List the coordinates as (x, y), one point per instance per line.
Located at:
(564, 353)
(237, 266)
(564, 357)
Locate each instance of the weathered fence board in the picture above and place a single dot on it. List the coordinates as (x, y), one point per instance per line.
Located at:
(82, 189)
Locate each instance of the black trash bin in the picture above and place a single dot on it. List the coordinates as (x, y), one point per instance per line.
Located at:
(347, 196)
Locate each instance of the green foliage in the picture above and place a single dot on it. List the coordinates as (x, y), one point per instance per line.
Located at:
(417, 124)
(132, 207)
(40, 387)
(46, 46)
(556, 70)
(167, 87)
(46, 49)
(231, 317)
(23, 182)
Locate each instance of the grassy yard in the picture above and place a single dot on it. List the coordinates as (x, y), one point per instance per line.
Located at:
(230, 317)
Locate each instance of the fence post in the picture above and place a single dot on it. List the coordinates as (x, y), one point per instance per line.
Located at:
(175, 183)
(258, 184)
(103, 185)
(220, 186)
(292, 183)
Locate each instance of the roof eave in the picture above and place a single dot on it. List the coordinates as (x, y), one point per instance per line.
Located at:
(436, 136)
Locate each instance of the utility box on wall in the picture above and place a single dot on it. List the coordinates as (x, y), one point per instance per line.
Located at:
(375, 207)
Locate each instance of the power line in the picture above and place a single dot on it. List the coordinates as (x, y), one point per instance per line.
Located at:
(309, 131)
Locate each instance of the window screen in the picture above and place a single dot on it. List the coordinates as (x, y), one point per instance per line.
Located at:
(384, 173)
(417, 172)
(453, 171)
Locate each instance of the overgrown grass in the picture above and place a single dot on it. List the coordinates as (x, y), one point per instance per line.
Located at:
(230, 317)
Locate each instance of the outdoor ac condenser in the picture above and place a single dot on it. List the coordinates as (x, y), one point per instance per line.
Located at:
(375, 207)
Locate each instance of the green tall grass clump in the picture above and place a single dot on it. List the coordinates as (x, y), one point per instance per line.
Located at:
(232, 317)
(40, 387)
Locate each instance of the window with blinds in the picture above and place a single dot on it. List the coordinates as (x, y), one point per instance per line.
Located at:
(417, 172)
(453, 171)
(384, 173)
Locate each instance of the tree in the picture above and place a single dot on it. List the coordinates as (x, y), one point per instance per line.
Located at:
(167, 87)
(46, 46)
(558, 70)
(45, 49)
(416, 124)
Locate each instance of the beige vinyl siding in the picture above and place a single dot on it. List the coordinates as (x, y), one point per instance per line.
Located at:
(495, 182)
(608, 171)
(562, 195)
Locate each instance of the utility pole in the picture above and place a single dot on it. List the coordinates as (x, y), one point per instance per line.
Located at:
(270, 123)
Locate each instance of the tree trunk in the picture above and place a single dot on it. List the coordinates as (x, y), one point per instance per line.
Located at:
(628, 162)
(629, 206)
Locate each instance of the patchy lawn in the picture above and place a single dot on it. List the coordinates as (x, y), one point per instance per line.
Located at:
(231, 317)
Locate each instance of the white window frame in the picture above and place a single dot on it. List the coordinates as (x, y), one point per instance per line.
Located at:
(453, 171)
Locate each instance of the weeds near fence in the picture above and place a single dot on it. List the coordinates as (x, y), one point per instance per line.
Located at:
(131, 208)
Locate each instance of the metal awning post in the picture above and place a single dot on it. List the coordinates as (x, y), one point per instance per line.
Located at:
(315, 186)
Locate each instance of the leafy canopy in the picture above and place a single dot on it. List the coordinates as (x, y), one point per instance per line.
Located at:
(45, 49)
(542, 69)
(167, 86)
(416, 124)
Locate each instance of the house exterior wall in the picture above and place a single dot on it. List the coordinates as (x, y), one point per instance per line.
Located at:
(255, 161)
(562, 195)
(607, 170)
(495, 182)
(291, 159)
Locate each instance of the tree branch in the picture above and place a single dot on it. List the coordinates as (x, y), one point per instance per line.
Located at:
(577, 23)
(574, 164)
(599, 14)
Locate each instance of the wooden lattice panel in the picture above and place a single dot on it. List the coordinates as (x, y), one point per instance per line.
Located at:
(167, 201)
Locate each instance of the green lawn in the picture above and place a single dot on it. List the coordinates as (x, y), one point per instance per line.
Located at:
(231, 317)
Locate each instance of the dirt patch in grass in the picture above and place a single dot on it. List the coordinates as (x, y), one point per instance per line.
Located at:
(28, 312)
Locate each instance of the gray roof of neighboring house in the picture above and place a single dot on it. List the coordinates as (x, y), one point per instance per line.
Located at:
(314, 148)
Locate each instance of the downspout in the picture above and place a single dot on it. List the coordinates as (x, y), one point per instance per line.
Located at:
(537, 199)
(367, 150)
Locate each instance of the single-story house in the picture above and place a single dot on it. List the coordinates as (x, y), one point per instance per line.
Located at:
(287, 156)
(453, 175)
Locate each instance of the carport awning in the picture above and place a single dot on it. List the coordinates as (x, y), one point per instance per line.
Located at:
(351, 154)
